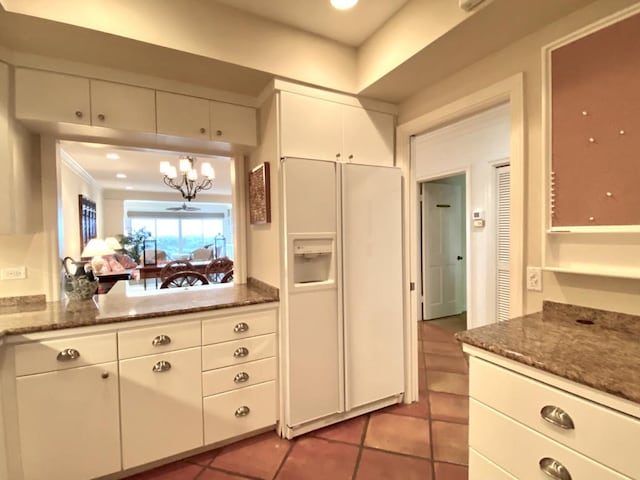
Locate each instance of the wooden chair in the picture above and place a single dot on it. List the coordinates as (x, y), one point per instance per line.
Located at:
(175, 266)
(184, 279)
(228, 277)
(217, 269)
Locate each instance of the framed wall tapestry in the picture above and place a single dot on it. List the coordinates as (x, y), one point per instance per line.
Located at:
(259, 195)
(88, 220)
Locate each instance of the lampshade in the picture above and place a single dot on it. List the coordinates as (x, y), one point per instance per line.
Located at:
(113, 243)
(96, 247)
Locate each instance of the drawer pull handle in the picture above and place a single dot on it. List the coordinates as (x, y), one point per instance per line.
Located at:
(241, 352)
(101, 117)
(241, 327)
(241, 377)
(554, 469)
(557, 417)
(243, 411)
(161, 340)
(68, 354)
(78, 114)
(162, 366)
(203, 130)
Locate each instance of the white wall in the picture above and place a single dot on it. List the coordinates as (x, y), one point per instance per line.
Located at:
(525, 56)
(263, 241)
(473, 145)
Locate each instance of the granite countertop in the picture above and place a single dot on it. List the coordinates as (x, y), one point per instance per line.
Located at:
(595, 348)
(127, 301)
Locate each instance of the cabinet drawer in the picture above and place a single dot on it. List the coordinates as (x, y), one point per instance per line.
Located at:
(238, 326)
(238, 376)
(51, 355)
(158, 339)
(597, 430)
(481, 468)
(238, 351)
(519, 450)
(234, 413)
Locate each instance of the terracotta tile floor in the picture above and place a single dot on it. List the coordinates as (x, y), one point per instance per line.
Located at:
(426, 440)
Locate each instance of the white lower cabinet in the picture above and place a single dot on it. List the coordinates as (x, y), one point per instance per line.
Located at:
(161, 406)
(69, 426)
(525, 429)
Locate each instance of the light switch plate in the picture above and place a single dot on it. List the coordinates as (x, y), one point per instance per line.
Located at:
(534, 279)
(13, 273)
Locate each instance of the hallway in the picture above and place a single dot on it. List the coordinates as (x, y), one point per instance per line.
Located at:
(427, 440)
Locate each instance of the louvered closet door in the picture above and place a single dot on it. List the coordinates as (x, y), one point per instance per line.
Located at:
(503, 189)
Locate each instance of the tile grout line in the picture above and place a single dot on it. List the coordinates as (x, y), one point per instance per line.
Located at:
(361, 446)
(286, 456)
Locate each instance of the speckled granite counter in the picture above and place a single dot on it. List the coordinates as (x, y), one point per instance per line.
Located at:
(596, 348)
(126, 302)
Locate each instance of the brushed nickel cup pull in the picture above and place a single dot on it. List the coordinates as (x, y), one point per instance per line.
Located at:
(557, 417)
(241, 377)
(101, 117)
(243, 411)
(78, 114)
(203, 130)
(241, 352)
(68, 354)
(554, 469)
(162, 366)
(241, 327)
(161, 340)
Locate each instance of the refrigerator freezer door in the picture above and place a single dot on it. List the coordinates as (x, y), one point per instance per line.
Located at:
(372, 280)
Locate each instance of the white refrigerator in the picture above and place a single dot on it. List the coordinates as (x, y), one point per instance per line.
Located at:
(342, 291)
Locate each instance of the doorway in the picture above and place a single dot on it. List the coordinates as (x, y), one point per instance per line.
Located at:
(443, 250)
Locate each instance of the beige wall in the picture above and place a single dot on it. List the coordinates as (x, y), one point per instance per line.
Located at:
(525, 56)
(263, 241)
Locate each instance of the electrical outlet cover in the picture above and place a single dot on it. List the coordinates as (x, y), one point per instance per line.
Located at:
(534, 279)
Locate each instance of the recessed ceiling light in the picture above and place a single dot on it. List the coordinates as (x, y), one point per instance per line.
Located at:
(121, 175)
(113, 156)
(128, 188)
(343, 4)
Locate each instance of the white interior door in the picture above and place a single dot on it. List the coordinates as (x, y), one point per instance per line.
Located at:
(443, 249)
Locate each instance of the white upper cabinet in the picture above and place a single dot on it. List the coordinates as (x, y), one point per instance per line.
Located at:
(309, 127)
(125, 107)
(368, 136)
(320, 129)
(52, 97)
(233, 123)
(183, 116)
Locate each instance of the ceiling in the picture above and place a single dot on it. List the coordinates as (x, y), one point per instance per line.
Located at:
(142, 168)
(351, 27)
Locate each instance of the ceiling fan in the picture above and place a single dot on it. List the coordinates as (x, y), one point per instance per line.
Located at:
(183, 208)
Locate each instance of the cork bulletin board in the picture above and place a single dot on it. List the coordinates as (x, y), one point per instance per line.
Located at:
(595, 128)
(259, 195)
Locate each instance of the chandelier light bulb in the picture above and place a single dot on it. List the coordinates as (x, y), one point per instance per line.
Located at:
(192, 175)
(165, 167)
(343, 4)
(185, 164)
(173, 173)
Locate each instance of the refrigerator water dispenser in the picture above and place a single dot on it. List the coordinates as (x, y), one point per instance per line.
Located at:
(312, 260)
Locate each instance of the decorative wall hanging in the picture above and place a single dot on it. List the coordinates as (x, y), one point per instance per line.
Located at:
(259, 195)
(88, 220)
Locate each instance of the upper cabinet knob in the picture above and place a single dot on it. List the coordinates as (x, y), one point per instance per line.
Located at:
(78, 114)
(101, 117)
(218, 132)
(337, 155)
(203, 130)
(351, 157)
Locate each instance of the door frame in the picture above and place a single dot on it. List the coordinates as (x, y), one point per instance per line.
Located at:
(467, 241)
(509, 90)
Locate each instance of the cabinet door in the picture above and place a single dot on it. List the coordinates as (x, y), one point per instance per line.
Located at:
(114, 105)
(368, 136)
(69, 426)
(182, 115)
(161, 406)
(233, 123)
(52, 97)
(310, 128)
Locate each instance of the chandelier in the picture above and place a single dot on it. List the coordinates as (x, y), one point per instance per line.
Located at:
(188, 183)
